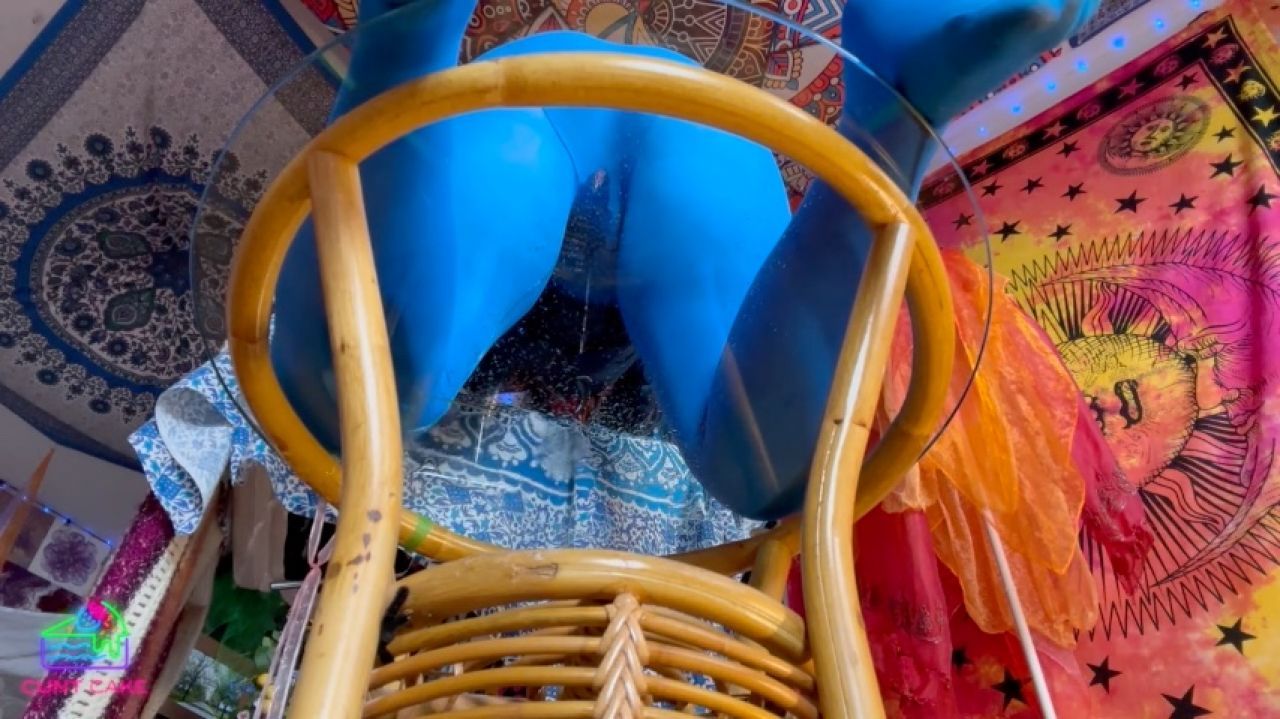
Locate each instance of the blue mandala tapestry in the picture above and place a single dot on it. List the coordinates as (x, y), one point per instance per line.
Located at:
(111, 122)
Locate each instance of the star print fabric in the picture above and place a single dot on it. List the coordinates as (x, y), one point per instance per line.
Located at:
(1138, 226)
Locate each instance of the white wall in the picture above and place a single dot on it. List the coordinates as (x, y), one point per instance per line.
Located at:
(101, 496)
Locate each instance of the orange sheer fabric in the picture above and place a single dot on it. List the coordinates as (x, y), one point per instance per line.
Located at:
(1024, 455)
(1007, 458)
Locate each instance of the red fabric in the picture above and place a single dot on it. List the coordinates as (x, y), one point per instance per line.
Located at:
(325, 10)
(932, 660)
(920, 635)
(906, 613)
(1112, 513)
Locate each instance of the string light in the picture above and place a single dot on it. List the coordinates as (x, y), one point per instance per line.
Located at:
(13, 492)
(1051, 86)
(1117, 42)
(1159, 24)
(1081, 66)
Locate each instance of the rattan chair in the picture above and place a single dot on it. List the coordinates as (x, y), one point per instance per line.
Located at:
(583, 633)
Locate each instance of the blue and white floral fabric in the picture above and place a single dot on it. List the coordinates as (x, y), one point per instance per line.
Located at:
(510, 476)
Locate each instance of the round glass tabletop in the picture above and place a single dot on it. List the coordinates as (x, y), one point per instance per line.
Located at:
(585, 266)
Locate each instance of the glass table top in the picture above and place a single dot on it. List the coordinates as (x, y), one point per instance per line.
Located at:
(603, 263)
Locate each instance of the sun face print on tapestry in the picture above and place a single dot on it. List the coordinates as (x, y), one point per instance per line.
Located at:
(1139, 224)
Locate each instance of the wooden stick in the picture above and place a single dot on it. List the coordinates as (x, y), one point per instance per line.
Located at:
(773, 563)
(556, 676)
(739, 676)
(846, 678)
(660, 656)
(528, 710)
(22, 505)
(536, 617)
(677, 632)
(542, 710)
(486, 649)
(1025, 640)
(343, 639)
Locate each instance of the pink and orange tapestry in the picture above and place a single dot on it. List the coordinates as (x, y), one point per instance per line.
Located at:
(1138, 223)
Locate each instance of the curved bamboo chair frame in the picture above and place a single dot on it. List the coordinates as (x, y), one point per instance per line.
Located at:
(324, 179)
(680, 620)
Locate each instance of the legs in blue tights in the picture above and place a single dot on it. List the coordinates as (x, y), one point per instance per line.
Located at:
(782, 352)
(736, 314)
(467, 217)
(705, 210)
(465, 236)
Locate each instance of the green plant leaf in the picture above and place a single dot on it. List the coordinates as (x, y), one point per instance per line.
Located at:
(239, 618)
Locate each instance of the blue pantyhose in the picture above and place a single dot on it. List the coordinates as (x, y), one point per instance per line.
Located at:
(735, 307)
